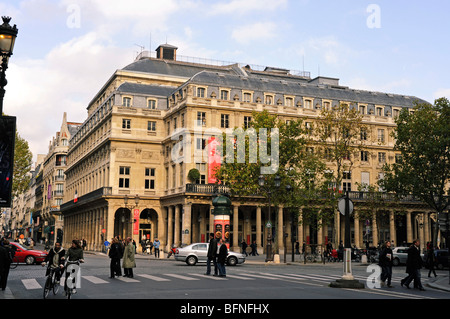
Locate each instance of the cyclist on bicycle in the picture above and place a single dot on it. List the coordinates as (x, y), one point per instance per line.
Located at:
(55, 261)
(73, 254)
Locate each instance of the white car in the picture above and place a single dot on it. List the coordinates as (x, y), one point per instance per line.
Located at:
(197, 253)
(400, 255)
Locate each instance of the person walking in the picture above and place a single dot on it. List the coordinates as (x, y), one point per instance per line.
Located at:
(244, 248)
(413, 265)
(156, 244)
(211, 255)
(115, 255)
(6, 256)
(221, 258)
(128, 259)
(431, 261)
(385, 262)
(254, 251)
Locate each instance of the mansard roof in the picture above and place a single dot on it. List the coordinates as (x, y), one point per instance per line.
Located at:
(301, 87)
(146, 89)
(174, 68)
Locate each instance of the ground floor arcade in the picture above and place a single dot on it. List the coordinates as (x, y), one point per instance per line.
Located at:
(184, 219)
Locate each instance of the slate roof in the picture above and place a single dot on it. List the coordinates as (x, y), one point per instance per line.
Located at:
(300, 87)
(173, 68)
(146, 89)
(232, 76)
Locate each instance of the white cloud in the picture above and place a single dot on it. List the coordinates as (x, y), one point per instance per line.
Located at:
(441, 93)
(39, 91)
(240, 7)
(254, 32)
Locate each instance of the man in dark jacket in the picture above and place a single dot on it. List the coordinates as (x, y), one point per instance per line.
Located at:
(413, 265)
(385, 262)
(211, 256)
(115, 253)
(6, 255)
(222, 258)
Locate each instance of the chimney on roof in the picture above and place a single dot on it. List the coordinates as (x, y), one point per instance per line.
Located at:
(166, 52)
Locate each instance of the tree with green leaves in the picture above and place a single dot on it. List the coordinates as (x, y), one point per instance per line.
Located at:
(23, 159)
(294, 164)
(422, 137)
(340, 136)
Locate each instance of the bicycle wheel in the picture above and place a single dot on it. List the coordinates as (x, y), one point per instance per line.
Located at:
(14, 263)
(47, 286)
(56, 285)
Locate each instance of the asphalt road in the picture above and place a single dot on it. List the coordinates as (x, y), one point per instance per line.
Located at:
(253, 280)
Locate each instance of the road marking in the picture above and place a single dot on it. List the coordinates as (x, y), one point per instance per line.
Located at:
(31, 284)
(209, 276)
(153, 277)
(95, 280)
(240, 277)
(126, 279)
(181, 277)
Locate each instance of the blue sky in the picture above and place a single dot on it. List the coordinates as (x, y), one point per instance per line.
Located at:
(67, 49)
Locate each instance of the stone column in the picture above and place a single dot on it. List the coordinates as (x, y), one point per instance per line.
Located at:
(356, 229)
(177, 231)
(426, 228)
(300, 235)
(202, 213)
(258, 230)
(236, 227)
(374, 230)
(280, 230)
(170, 212)
(186, 224)
(392, 236)
(409, 234)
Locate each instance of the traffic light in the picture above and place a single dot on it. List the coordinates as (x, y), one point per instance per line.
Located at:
(7, 141)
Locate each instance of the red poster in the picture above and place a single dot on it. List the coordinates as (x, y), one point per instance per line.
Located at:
(136, 222)
(213, 159)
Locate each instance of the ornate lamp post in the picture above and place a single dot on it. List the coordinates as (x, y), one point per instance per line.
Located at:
(268, 190)
(8, 36)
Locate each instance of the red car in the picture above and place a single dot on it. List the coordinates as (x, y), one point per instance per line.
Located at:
(28, 256)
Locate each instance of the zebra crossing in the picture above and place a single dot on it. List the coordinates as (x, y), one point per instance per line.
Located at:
(319, 280)
(309, 280)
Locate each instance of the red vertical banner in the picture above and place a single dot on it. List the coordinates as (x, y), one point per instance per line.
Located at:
(214, 159)
(136, 222)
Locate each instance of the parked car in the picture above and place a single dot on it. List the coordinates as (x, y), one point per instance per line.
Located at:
(28, 256)
(400, 255)
(196, 253)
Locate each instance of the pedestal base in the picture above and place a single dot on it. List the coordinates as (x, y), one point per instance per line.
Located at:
(347, 283)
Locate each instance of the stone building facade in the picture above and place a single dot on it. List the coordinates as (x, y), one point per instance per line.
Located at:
(121, 178)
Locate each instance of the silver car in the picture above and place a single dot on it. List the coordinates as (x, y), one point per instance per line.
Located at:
(197, 253)
(400, 255)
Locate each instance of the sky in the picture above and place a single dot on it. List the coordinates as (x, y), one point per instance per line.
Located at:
(66, 50)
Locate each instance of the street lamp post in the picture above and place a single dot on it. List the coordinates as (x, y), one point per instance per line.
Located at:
(268, 190)
(8, 36)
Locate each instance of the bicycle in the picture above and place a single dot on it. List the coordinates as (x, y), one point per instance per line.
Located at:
(72, 268)
(14, 263)
(51, 283)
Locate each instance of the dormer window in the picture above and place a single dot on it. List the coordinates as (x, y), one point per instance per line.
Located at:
(151, 104)
(201, 92)
(126, 101)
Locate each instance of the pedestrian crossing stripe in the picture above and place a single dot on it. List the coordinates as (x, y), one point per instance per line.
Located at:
(31, 284)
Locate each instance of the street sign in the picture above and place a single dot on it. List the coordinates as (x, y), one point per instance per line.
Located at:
(7, 141)
(341, 206)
